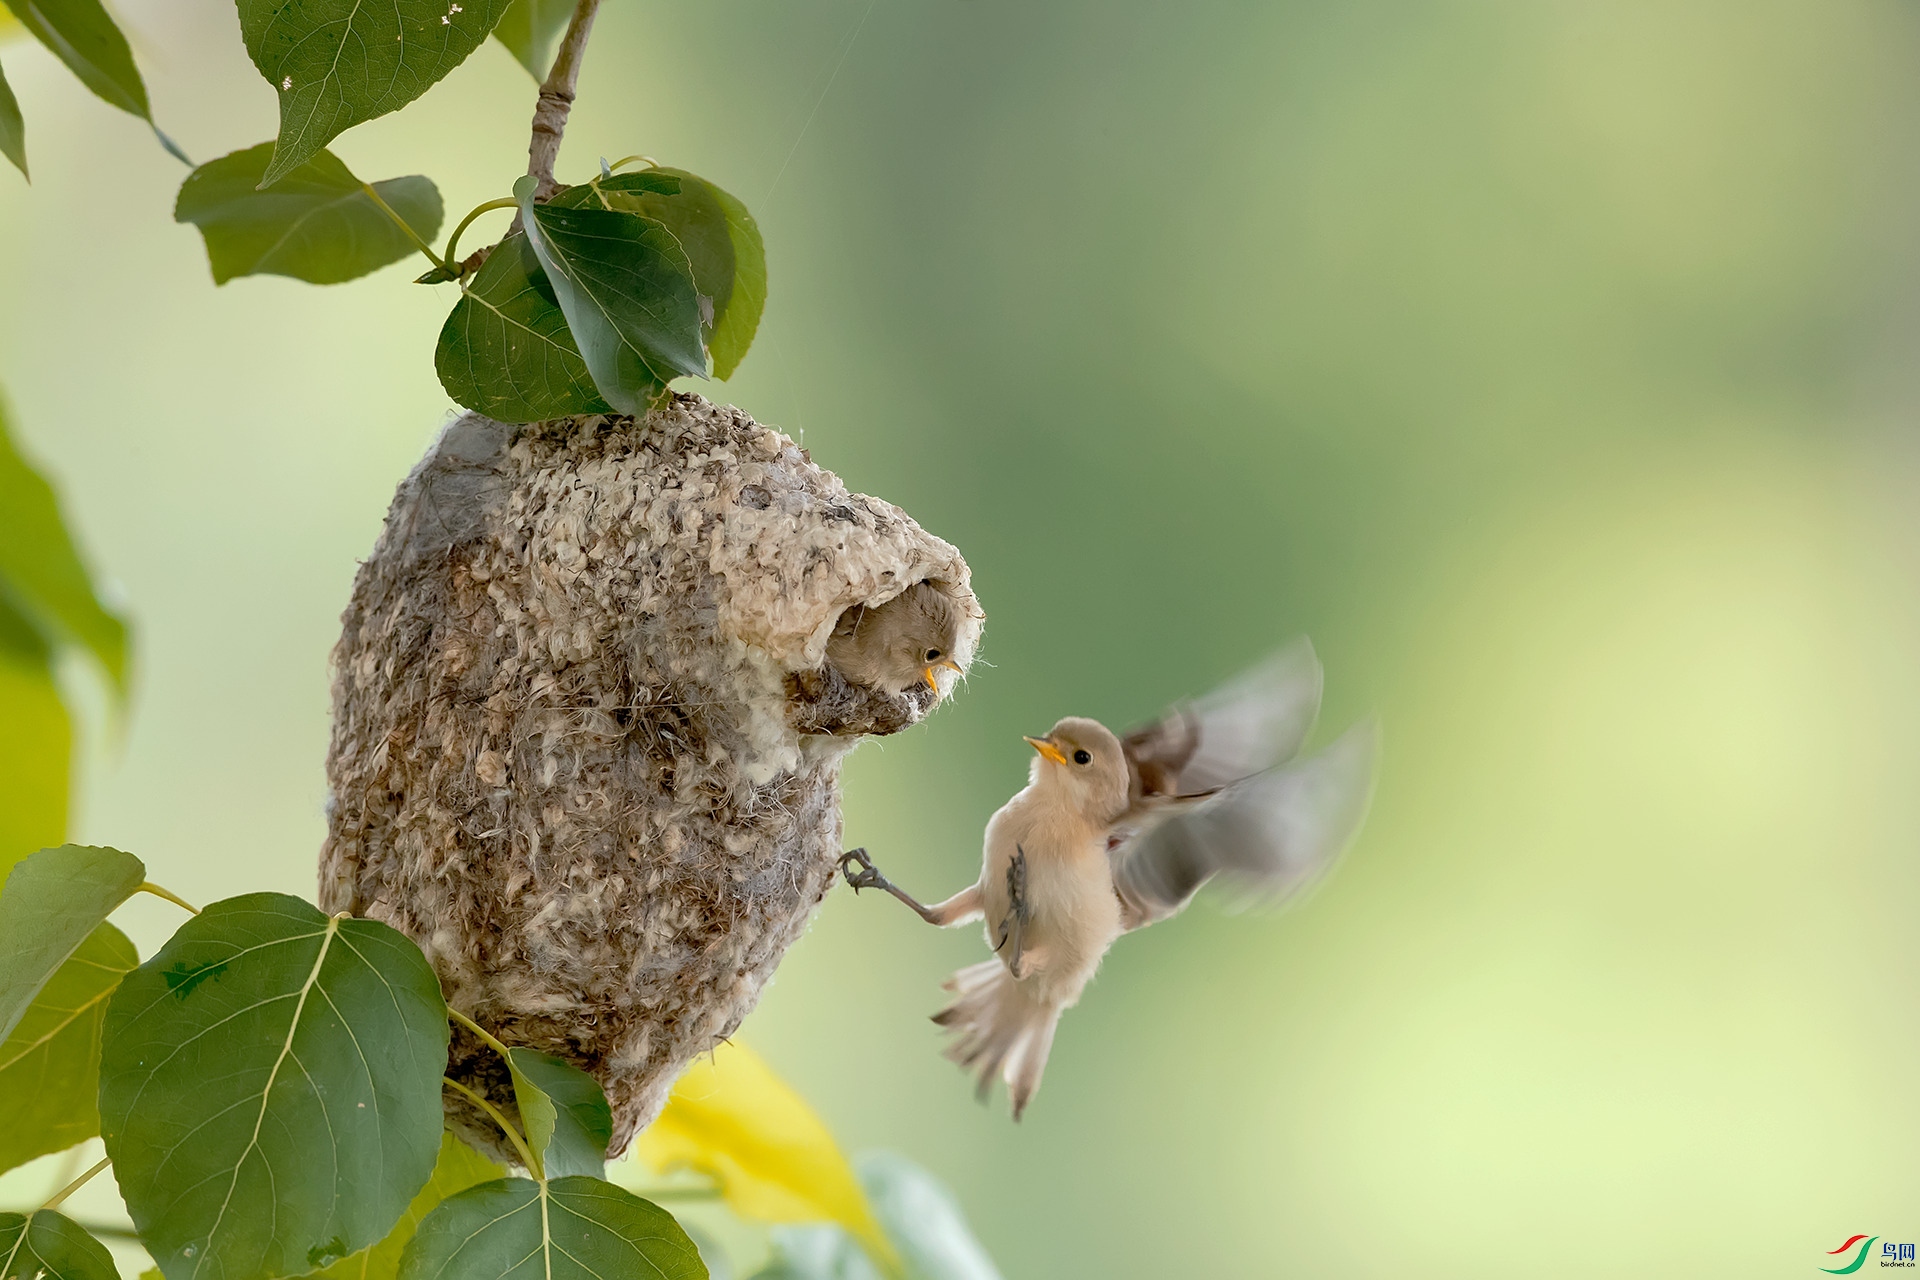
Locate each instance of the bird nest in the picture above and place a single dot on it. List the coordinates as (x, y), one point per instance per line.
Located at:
(586, 748)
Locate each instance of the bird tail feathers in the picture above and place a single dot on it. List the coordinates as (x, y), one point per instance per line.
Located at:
(999, 1028)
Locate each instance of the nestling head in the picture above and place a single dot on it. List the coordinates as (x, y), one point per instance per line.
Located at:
(1082, 758)
(906, 641)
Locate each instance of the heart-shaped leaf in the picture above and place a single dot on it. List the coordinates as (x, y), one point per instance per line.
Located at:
(721, 240)
(270, 1088)
(82, 35)
(13, 129)
(47, 1246)
(319, 223)
(41, 575)
(564, 1229)
(567, 1119)
(459, 1167)
(529, 29)
(51, 902)
(505, 350)
(50, 1065)
(336, 63)
(627, 291)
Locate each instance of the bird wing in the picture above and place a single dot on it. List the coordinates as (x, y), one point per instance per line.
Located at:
(1268, 835)
(1247, 725)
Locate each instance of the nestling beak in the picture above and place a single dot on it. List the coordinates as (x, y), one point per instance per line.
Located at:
(1046, 748)
(945, 664)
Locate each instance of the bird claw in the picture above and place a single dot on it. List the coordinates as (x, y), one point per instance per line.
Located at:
(868, 877)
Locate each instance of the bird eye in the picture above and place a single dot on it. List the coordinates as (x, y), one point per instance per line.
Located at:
(933, 655)
(1081, 757)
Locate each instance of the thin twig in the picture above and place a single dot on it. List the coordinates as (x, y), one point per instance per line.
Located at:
(678, 1193)
(112, 1231)
(556, 99)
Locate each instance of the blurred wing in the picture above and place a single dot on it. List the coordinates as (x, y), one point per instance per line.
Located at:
(1247, 725)
(1267, 836)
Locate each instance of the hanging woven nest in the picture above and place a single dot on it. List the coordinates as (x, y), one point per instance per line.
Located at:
(586, 751)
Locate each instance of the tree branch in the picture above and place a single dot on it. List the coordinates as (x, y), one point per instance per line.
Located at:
(556, 98)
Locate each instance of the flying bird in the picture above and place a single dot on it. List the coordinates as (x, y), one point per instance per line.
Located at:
(1112, 834)
(898, 644)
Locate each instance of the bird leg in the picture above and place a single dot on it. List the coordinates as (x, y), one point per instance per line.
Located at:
(869, 877)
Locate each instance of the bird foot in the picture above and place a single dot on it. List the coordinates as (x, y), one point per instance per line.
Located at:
(867, 877)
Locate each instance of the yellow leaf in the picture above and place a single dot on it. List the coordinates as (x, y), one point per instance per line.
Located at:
(9, 25)
(732, 1119)
(35, 743)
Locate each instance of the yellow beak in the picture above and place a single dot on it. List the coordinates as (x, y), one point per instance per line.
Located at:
(945, 664)
(1046, 748)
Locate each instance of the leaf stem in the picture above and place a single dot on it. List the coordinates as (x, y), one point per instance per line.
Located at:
(453, 241)
(60, 1196)
(556, 98)
(158, 892)
(519, 1144)
(621, 164)
(533, 1162)
(486, 1037)
(403, 224)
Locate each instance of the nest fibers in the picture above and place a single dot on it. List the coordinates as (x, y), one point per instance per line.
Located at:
(585, 749)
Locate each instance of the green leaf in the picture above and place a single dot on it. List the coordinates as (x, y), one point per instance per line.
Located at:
(41, 576)
(923, 1220)
(270, 1088)
(82, 35)
(50, 1065)
(47, 1246)
(816, 1253)
(617, 191)
(505, 350)
(52, 901)
(529, 29)
(566, 1116)
(627, 291)
(13, 129)
(319, 223)
(337, 63)
(721, 240)
(459, 1167)
(36, 744)
(565, 1229)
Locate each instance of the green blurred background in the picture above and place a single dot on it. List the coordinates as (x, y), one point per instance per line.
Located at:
(1552, 365)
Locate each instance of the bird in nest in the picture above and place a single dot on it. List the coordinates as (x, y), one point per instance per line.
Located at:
(1112, 834)
(900, 643)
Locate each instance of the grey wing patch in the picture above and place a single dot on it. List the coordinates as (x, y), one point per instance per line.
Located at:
(1266, 837)
(1247, 725)
(1010, 937)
